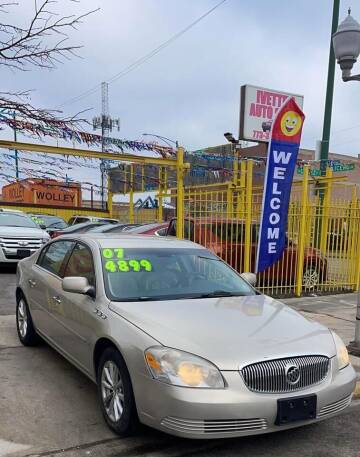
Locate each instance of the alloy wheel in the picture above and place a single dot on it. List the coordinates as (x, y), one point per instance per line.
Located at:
(112, 391)
(311, 278)
(22, 318)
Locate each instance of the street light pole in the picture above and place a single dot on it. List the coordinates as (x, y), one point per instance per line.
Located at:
(346, 42)
(324, 149)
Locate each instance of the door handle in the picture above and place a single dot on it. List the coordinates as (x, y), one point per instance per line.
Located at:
(32, 283)
(57, 299)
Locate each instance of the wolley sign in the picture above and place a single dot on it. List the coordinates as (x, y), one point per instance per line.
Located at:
(281, 161)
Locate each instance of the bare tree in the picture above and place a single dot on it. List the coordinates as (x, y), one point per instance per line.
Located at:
(22, 47)
(43, 43)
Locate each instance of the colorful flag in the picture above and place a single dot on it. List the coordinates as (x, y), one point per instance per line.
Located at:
(281, 161)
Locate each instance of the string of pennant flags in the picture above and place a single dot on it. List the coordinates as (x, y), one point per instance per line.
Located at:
(60, 130)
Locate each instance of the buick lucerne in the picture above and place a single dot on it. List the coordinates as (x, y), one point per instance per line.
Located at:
(176, 339)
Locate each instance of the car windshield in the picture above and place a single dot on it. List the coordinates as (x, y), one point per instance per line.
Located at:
(16, 220)
(168, 274)
(50, 222)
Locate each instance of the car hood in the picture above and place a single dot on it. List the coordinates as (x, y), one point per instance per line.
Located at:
(232, 331)
(22, 232)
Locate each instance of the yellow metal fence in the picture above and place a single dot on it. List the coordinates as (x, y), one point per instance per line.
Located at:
(322, 241)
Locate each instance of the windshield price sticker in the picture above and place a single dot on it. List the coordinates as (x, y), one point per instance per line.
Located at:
(124, 266)
(115, 262)
(116, 253)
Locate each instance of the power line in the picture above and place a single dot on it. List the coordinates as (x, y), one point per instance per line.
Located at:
(142, 59)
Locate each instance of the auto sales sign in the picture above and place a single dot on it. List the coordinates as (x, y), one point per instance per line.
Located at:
(281, 161)
(258, 109)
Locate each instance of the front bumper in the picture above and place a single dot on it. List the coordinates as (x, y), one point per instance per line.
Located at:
(9, 255)
(235, 410)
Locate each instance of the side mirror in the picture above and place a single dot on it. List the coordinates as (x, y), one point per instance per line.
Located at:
(78, 285)
(43, 226)
(249, 277)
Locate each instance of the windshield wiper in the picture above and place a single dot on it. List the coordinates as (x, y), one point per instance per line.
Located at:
(219, 293)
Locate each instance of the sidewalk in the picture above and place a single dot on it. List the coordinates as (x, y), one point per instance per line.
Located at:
(335, 311)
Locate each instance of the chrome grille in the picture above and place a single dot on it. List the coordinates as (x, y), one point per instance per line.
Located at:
(335, 407)
(213, 426)
(270, 376)
(19, 243)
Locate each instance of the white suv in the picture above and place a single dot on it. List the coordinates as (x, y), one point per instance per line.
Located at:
(20, 236)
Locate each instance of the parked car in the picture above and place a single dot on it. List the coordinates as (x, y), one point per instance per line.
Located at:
(113, 228)
(226, 238)
(178, 340)
(80, 219)
(158, 229)
(19, 236)
(49, 222)
(78, 228)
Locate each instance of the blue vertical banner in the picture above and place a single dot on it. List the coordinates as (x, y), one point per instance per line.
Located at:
(280, 166)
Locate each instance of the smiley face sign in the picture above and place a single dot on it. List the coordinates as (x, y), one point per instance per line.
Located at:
(290, 123)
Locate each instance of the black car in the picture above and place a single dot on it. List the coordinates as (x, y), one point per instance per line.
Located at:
(49, 222)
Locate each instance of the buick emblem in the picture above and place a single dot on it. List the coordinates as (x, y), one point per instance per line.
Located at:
(292, 374)
(23, 243)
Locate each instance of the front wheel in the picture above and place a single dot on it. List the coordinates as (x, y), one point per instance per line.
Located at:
(24, 324)
(311, 277)
(116, 394)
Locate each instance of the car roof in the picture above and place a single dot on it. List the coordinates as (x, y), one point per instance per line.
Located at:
(126, 239)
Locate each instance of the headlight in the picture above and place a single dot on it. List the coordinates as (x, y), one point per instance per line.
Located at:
(182, 369)
(341, 352)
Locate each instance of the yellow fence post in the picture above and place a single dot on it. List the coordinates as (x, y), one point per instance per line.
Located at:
(131, 196)
(229, 200)
(325, 212)
(180, 193)
(302, 232)
(110, 198)
(160, 198)
(248, 215)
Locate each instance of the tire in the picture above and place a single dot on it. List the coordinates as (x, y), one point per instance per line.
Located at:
(24, 324)
(117, 404)
(311, 277)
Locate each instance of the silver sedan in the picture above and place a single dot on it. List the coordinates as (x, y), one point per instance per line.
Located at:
(176, 339)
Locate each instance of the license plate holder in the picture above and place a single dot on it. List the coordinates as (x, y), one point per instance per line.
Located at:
(296, 409)
(22, 253)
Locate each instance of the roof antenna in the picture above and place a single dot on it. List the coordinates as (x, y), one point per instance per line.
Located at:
(349, 10)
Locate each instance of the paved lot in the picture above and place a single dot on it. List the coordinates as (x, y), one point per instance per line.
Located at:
(47, 408)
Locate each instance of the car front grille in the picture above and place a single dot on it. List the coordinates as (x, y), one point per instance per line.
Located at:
(10, 245)
(202, 427)
(335, 407)
(271, 376)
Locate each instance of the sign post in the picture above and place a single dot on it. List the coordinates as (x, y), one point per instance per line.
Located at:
(280, 166)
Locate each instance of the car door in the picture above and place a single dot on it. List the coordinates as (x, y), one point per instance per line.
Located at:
(77, 321)
(44, 279)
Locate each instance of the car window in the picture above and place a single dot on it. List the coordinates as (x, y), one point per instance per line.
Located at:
(71, 220)
(16, 220)
(137, 274)
(81, 264)
(79, 220)
(161, 232)
(55, 255)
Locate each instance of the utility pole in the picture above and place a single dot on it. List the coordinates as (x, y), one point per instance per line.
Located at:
(16, 151)
(106, 124)
(324, 149)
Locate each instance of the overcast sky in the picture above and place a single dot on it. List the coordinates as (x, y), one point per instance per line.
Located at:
(190, 90)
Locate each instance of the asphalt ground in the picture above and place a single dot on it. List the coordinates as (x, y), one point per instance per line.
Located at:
(48, 408)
